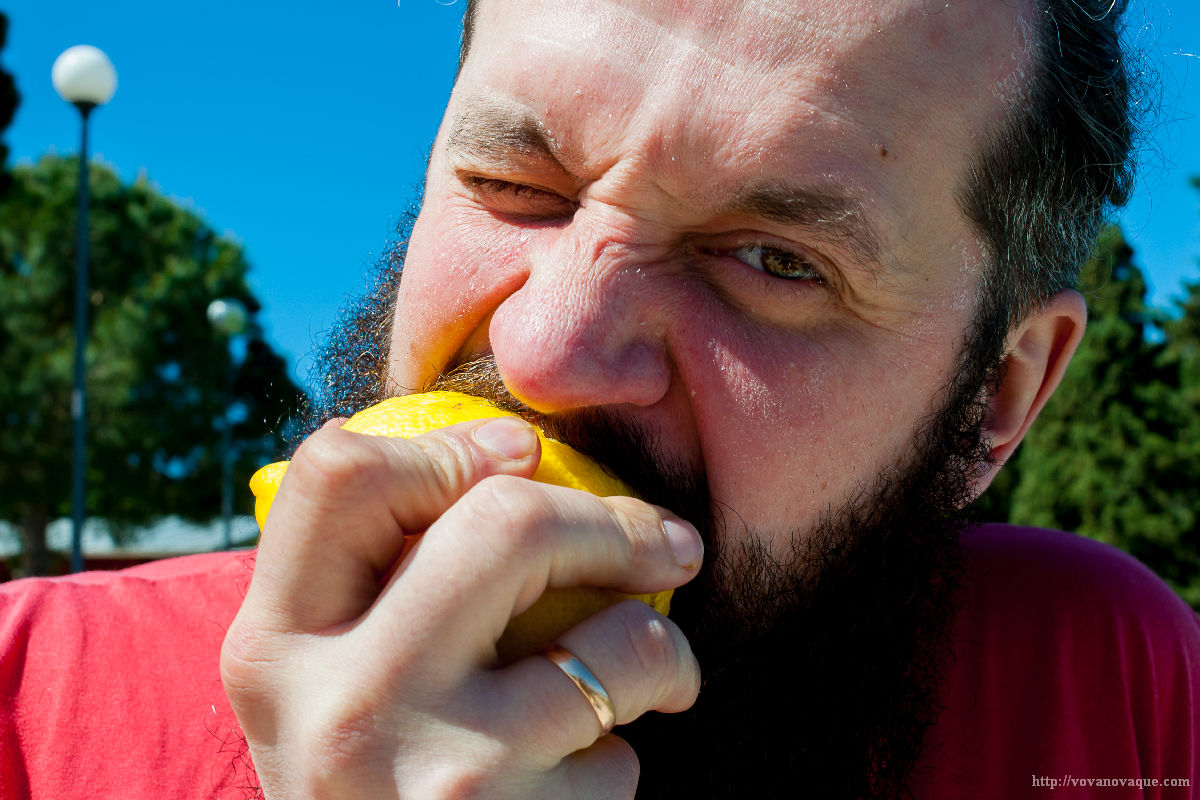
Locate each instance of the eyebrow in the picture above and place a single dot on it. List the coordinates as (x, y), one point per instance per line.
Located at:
(838, 216)
(495, 132)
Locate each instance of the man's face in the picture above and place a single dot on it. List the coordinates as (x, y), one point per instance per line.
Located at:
(718, 246)
(734, 222)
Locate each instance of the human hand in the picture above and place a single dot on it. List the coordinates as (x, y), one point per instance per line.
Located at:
(363, 660)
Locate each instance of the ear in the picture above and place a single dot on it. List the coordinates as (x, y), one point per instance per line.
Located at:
(1039, 350)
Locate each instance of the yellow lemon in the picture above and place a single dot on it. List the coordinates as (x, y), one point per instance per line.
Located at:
(557, 609)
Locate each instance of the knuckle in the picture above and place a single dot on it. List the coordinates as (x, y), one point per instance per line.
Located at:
(448, 460)
(461, 782)
(247, 661)
(348, 743)
(622, 769)
(639, 522)
(651, 640)
(480, 767)
(332, 458)
(242, 651)
(657, 651)
(509, 516)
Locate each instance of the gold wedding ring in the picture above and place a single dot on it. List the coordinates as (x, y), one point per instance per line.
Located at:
(582, 677)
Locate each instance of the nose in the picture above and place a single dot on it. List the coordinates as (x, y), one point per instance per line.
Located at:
(587, 327)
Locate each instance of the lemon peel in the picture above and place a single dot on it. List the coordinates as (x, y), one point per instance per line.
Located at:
(558, 609)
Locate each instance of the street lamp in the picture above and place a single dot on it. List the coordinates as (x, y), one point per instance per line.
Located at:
(84, 77)
(229, 318)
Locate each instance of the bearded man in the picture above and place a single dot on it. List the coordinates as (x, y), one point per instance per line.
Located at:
(801, 274)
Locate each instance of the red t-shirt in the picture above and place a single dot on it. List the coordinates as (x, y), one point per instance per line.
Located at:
(1076, 668)
(109, 683)
(1073, 664)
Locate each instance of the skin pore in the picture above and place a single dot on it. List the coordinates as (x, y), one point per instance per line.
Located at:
(717, 246)
(601, 242)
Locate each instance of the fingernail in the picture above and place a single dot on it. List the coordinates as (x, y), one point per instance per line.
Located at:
(507, 437)
(685, 543)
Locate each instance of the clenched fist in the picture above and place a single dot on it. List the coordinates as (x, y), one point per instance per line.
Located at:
(363, 661)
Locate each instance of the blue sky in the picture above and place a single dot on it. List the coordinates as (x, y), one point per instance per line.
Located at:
(301, 128)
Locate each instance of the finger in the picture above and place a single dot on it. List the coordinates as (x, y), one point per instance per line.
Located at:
(347, 502)
(608, 770)
(506, 541)
(640, 658)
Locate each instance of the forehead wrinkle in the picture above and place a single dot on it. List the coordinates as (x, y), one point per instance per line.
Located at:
(730, 32)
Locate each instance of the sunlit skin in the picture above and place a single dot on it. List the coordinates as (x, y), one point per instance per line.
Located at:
(594, 217)
(734, 223)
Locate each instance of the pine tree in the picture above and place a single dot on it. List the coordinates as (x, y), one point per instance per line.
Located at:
(1114, 454)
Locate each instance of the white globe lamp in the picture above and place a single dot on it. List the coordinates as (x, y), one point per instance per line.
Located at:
(83, 74)
(228, 316)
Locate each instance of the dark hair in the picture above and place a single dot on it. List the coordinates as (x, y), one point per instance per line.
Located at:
(1038, 189)
(468, 32)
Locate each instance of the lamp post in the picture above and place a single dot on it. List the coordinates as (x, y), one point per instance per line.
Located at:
(84, 77)
(228, 317)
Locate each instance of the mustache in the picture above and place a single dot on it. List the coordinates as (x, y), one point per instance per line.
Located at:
(619, 443)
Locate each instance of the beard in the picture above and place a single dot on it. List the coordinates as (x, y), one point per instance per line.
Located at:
(821, 669)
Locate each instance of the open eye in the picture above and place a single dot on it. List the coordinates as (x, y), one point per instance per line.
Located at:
(518, 198)
(777, 262)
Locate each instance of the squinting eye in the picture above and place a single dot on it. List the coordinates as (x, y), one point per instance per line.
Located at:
(777, 262)
(519, 199)
(496, 186)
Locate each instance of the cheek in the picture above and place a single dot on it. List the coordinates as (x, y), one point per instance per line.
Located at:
(792, 425)
(456, 271)
(788, 420)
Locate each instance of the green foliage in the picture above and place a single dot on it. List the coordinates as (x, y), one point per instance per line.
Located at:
(1115, 455)
(158, 373)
